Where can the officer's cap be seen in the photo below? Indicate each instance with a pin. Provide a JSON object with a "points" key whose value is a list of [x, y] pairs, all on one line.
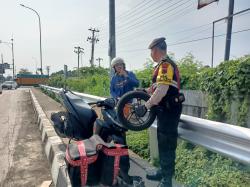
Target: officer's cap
{"points": [[157, 42]]}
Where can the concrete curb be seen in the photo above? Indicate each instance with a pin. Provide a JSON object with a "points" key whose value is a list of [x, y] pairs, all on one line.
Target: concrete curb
{"points": [[53, 146]]}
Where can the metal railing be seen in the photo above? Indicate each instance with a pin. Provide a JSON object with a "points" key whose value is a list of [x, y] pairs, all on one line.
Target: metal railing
{"points": [[228, 140]]}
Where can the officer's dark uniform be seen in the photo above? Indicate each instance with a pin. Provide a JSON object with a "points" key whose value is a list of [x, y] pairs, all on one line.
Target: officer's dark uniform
{"points": [[166, 72]]}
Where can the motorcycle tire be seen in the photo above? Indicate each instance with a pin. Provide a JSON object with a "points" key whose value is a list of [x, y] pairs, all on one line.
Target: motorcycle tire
{"points": [[125, 99]]}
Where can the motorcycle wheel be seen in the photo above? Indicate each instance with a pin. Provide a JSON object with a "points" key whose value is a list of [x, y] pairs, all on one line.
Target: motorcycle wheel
{"points": [[128, 117]]}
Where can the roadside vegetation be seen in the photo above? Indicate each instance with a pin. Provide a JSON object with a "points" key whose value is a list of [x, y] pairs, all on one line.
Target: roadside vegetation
{"points": [[227, 83]]}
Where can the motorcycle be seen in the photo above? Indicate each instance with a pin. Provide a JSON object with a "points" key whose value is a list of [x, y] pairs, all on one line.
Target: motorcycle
{"points": [[79, 122]]}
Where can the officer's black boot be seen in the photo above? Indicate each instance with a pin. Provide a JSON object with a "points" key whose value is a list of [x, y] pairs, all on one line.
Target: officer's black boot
{"points": [[154, 174], [165, 182]]}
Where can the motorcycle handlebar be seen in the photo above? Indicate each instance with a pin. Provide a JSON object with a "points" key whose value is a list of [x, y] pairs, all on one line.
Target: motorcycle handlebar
{"points": [[94, 103], [109, 102]]}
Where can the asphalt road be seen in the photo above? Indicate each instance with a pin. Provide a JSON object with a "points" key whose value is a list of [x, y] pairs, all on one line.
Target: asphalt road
{"points": [[22, 160]]}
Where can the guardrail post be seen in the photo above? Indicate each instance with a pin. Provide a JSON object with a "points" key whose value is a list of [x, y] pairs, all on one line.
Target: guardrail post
{"points": [[153, 143]]}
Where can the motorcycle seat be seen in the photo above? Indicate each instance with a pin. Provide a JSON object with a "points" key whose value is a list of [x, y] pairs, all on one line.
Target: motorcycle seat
{"points": [[85, 113]]}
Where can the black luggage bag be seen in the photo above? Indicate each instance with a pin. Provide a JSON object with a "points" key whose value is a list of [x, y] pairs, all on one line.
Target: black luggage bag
{"points": [[81, 159], [110, 159]]}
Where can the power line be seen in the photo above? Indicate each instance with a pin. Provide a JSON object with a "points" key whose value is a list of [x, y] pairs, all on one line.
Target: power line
{"points": [[134, 18], [129, 15], [154, 16], [126, 14], [190, 29], [187, 11], [208, 28], [189, 41], [181, 31], [137, 7], [205, 38], [149, 18], [170, 18], [196, 33]]}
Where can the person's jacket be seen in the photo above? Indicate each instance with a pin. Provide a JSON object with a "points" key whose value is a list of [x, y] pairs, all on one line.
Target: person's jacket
{"points": [[120, 84]]}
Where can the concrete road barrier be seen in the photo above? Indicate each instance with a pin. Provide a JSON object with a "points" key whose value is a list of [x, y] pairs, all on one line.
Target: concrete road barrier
{"points": [[53, 146]]}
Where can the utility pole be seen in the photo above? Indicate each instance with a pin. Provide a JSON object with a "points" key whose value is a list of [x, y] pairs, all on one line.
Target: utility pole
{"points": [[225, 18], [1, 67], [48, 68], [13, 63], [78, 50], [93, 39], [81, 60], [229, 29], [65, 71], [99, 61], [112, 47], [2, 57]]}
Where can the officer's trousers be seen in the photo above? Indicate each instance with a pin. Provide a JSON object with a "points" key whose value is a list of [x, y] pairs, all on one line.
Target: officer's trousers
{"points": [[167, 133]]}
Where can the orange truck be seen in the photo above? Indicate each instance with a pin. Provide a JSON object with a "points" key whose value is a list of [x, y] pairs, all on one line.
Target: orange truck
{"points": [[31, 80]]}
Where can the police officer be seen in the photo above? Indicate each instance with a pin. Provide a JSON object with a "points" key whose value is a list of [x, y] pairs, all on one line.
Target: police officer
{"points": [[165, 93]]}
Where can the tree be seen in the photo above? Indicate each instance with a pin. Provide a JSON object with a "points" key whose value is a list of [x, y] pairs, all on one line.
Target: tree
{"points": [[145, 75], [25, 71], [190, 69]]}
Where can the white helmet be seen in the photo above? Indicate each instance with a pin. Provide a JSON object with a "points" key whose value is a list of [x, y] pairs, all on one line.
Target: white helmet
{"points": [[117, 60]]}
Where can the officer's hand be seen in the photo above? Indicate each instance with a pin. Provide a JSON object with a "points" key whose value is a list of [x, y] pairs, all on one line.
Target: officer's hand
{"points": [[140, 110]]}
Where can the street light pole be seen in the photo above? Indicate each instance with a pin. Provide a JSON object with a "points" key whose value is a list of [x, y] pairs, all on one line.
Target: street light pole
{"points": [[40, 35], [12, 49]]}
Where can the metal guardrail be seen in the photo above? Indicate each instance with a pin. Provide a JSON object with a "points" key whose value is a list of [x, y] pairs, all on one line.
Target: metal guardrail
{"points": [[228, 140], [87, 97]]}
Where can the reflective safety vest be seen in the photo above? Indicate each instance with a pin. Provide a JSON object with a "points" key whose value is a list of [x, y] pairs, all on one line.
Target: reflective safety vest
{"points": [[166, 72]]}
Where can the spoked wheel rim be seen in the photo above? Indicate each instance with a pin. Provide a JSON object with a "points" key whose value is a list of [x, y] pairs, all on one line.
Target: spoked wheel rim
{"points": [[126, 111]]}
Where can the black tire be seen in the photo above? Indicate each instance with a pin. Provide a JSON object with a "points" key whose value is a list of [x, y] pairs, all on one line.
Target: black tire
{"points": [[126, 98]]}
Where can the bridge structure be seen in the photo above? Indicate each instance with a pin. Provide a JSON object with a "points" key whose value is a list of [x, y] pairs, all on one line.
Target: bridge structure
{"points": [[225, 139], [228, 140]]}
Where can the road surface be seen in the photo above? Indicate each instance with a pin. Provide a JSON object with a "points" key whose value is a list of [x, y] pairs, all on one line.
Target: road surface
{"points": [[23, 162]]}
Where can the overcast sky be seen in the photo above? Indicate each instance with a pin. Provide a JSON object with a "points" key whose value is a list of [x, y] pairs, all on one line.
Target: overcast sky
{"points": [[65, 24]]}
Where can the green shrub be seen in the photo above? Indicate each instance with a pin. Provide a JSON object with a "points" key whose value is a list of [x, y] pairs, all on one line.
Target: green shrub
{"points": [[228, 82], [197, 166], [138, 142], [93, 80]]}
